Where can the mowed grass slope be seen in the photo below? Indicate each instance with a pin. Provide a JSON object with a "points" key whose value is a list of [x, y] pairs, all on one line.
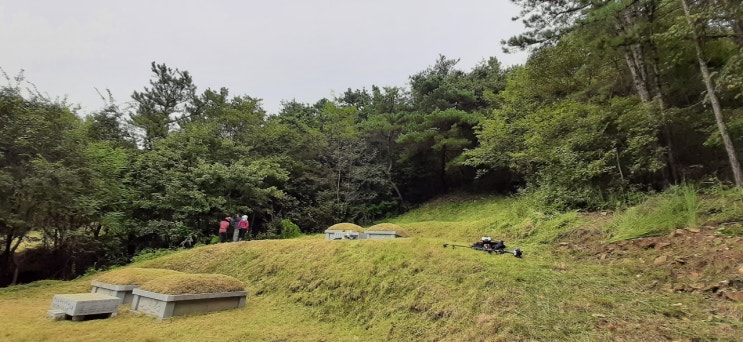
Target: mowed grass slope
{"points": [[412, 289]]}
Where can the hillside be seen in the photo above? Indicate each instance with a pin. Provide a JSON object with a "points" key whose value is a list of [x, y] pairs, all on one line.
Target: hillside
{"points": [[576, 282]]}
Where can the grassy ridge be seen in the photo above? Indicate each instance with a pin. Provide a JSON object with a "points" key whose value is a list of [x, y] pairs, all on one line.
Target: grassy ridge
{"points": [[311, 289]]}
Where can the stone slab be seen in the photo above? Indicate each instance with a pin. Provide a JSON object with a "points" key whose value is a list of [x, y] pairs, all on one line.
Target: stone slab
{"points": [[55, 315], [381, 234], [165, 306], [82, 304], [122, 291], [332, 234]]}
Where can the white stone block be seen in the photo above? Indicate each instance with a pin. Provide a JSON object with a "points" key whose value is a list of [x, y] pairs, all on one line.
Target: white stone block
{"points": [[332, 234], [165, 306], [55, 315], [381, 234], [81, 304], [122, 291]]}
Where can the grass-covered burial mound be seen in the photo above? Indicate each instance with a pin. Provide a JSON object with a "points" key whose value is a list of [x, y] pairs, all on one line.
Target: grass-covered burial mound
{"points": [[133, 275], [346, 226], [184, 283], [387, 227]]}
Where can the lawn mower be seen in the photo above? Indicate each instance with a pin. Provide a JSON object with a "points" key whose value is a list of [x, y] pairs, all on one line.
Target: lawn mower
{"points": [[486, 244]]}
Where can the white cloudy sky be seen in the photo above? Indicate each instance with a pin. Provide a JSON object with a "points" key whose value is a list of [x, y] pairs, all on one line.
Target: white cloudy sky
{"points": [[274, 50]]}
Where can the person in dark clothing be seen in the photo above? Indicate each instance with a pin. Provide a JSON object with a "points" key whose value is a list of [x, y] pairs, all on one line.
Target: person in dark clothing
{"points": [[235, 231]]}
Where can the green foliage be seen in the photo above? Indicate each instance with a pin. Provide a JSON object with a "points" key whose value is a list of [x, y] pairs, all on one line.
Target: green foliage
{"points": [[108, 125], [163, 105], [289, 229], [152, 254], [52, 179], [572, 154]]}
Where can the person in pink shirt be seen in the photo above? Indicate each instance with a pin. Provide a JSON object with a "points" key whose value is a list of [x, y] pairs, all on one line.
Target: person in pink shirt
{"points": [[244, 226], [223, 229]]}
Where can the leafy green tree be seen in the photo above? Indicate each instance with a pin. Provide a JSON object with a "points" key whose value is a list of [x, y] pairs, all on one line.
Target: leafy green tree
{"points": [[163, 106], [383, 126], [205, 171], [441, 86], [294, 137], [353, 173], [108, 125], [556, 129], [711, 92], [44, 176], [440, 126], [628, 27], [546, 22]]}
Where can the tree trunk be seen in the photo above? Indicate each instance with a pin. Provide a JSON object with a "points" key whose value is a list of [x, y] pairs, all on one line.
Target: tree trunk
{"points": [[660, 98], [637, 80], [716, 108], [7, 258], [390, 162], [444, 183], [635, 58], [338, 180], [15, 272]]}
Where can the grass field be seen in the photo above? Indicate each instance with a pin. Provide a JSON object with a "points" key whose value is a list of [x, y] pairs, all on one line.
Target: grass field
{"points": [[581, 279]]}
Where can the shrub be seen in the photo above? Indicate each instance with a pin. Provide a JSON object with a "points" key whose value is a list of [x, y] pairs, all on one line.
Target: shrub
{"points": [[289, 229]]}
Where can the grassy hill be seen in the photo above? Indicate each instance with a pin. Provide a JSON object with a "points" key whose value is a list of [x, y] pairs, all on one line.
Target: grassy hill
{"points": [[584, 277]]}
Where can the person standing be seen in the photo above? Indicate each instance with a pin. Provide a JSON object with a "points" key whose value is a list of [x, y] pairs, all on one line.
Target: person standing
{"points": [[235, 231], [223, 229], [243, 225]]}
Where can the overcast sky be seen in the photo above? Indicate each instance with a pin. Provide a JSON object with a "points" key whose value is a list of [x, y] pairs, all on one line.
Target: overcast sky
{"points": [[273, 50]]}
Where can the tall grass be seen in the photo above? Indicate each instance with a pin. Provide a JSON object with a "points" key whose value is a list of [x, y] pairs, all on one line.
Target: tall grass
{"points": [[691, 204], [658, 215], [719, 204], [683, 206], [517, 219]]}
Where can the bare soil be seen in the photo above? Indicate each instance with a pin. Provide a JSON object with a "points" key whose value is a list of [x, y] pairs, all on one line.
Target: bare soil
{"points": [[699, 261]]}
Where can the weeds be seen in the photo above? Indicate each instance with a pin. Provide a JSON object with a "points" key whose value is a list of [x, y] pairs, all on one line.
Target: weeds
{"points": [[658, 215]]}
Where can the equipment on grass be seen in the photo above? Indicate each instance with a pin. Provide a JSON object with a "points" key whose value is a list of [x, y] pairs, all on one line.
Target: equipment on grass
{"points": [[487, 245]]}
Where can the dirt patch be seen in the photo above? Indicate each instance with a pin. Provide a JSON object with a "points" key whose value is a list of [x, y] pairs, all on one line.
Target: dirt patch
{"points": [[694, 260]]}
